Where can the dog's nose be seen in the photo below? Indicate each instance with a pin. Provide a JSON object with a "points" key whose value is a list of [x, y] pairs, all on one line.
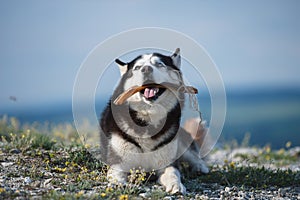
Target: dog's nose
{"points": [[147, 69]]}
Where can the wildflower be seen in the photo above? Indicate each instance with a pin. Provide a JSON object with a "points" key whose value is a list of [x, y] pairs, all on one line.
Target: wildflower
{"points": [[58, 169], [281, 151], [84, 169], [103, 194], [74, 164], [268, 149], [109, 189], [93, 173], [80, 193], [123, 197], [232, 164], [142, 178], [78, 178], [288, 144]]}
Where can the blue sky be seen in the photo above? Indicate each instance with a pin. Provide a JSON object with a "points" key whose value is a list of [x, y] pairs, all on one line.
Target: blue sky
{"points": [[43, 43]]}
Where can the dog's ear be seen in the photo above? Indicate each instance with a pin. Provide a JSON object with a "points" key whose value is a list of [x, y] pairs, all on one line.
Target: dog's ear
{"points": [[176, 58], [122, 66]]}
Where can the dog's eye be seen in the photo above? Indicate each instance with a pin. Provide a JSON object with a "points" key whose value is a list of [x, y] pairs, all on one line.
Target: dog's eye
{"points": [[160, 64], [137, 67]]}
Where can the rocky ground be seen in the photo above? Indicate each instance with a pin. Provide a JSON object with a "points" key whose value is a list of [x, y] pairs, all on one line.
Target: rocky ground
{"points": [[72, 173], [55, 165]]}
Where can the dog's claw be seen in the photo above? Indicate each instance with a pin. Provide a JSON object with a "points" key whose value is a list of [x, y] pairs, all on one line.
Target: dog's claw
{"points": [[176, 188]]}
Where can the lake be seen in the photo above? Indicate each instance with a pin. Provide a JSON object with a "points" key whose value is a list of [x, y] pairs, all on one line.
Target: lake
{"points": [[270, 116]]}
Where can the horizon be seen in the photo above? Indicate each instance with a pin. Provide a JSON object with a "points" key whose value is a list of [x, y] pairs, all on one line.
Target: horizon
{"points": [[266, 115]]}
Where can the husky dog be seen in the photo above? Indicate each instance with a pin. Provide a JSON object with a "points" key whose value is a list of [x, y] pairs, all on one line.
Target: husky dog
{"points": [[145, 130]]}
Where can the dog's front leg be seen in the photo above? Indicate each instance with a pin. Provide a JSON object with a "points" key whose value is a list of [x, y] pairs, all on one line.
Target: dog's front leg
{"points": [[114, 175], [170, 179]]}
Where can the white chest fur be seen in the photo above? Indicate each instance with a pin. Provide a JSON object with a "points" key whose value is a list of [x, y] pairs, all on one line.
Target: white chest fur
{"points": [[134, 157]]}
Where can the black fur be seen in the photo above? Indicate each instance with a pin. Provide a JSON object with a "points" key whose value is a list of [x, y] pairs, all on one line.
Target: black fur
{"points": [[109, 125], [167, 60]]}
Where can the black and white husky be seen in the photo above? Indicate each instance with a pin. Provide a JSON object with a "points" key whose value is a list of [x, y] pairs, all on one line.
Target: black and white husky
{"points": [[145, 130]]}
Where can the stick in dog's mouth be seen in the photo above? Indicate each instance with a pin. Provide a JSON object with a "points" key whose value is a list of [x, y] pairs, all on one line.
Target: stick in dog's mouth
{"points": [[151, 90]]}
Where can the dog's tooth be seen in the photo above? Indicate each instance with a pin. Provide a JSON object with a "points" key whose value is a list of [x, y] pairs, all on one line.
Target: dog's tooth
{"points": [[151, 93], [146, 92]]}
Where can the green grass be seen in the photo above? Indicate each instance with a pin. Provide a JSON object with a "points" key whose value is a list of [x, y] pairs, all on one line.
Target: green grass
{"points": [[61, 167], [256, 177]]}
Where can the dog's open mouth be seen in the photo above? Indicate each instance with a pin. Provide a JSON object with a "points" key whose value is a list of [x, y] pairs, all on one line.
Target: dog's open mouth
{"points": [[152, 93]]}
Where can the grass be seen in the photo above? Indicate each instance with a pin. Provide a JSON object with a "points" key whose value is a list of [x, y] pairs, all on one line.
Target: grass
{"points": [[51, 165], [255, 177]]}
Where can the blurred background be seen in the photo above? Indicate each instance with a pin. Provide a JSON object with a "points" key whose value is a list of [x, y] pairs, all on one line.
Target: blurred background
{"points": [[256, 46]]}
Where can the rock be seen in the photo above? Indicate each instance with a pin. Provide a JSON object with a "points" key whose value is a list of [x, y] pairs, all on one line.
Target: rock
{"points": [[227, 189], [207, 191], [46, 183], [15, 151], [7, 164], [144, 195], [27, 180]]}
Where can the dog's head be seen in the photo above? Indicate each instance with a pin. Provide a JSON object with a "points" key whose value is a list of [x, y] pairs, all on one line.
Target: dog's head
{"points": [[155, 72], [150, 69]]}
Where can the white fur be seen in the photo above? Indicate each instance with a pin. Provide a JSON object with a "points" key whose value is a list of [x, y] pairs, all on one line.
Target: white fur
{"points": [[132, 156], [157, 110], [170, 179], [159, 74], [122, 69]]}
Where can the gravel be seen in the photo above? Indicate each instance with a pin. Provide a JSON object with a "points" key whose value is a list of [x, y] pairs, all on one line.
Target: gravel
{"points": [[15, 180]]}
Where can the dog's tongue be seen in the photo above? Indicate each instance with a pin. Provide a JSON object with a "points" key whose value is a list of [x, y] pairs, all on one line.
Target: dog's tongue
{"points": [[150, 92]]}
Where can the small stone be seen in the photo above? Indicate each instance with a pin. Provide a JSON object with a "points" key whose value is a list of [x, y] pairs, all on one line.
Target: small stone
{"points": [[7, 164], [27, 180], [15, 151], [36, 184], [241, 194], [227, 189], [47, 182], [207, 191], [144, 195]]}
